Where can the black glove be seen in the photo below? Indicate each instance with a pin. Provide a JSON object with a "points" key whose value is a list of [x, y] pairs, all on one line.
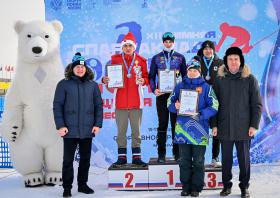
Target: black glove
{"points": [[196, 116]]}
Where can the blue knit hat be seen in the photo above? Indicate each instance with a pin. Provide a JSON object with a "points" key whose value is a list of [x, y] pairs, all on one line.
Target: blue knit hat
{"points": [[78, 59]]}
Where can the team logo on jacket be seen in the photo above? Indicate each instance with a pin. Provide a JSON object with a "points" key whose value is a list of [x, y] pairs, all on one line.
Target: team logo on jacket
{"points": [[215, 68], [175, 57], [199, 89], [162, 58]]}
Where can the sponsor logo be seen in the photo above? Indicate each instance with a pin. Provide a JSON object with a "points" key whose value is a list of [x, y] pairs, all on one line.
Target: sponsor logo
{"points": [[106, 2], [145, 4], [74, 4], [116, 4], [91, 4], [56, 4]]}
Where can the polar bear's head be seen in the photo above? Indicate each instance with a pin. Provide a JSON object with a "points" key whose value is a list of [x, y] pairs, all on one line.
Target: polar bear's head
{"points": [[38, 40]]}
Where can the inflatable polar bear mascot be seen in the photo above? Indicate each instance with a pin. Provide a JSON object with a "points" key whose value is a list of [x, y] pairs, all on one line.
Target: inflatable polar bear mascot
{"points": [[28, 121]]}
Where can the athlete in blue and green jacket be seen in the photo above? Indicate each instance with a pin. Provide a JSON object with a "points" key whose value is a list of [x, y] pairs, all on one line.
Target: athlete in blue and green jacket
{"points": [[192, 132], [187, 129]]}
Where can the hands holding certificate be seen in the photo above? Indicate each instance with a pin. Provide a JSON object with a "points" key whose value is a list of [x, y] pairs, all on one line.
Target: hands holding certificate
{"points": [[177, 104], [158, 92], [106, 80], [140, 81]]}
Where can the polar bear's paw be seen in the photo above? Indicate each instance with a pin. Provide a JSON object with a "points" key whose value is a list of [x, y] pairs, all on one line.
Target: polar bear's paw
{"points": [[53, 178], [33, 180], [14, 134], [11, 125]]}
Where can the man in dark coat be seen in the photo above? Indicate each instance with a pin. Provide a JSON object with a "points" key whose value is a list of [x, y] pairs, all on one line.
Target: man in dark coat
{"points": [[238, 117], [78, 115], [210, 64]]}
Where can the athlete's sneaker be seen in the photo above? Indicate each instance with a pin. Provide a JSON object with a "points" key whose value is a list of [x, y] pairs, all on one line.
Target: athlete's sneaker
{"points": [[216, 163]]}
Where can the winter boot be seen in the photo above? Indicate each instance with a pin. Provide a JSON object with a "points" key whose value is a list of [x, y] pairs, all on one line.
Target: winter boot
{"points": [[177, 158], [225, 192], [245, 193], [194, 193], [85, 189], [185, 193], [122, 161], [67, 192], [136, 155], [161, 158]]}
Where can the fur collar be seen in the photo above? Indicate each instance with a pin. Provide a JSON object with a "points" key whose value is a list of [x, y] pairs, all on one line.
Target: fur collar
{"points": [[68, 72], [245, 72]]}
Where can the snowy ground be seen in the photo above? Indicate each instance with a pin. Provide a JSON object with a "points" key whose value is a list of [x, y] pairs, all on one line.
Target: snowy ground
{"points": [[265, 181]]}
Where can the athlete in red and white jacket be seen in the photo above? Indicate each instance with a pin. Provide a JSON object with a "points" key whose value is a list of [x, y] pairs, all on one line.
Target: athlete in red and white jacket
{"points": [[131, 96], [129, 101]]}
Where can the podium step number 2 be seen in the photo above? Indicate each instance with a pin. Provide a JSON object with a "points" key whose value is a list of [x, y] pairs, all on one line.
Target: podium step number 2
{"points": [[128, 178]]}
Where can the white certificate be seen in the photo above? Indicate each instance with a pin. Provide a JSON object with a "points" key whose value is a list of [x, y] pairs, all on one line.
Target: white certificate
{"points": [[115, 73], [189, 102], [166, 80]]}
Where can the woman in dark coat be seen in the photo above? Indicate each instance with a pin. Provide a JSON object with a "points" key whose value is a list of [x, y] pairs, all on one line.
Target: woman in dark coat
{"points": [[78, 115]]}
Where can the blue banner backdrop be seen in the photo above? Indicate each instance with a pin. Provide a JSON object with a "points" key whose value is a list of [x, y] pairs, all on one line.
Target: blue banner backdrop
{"points": [[96, 27]]}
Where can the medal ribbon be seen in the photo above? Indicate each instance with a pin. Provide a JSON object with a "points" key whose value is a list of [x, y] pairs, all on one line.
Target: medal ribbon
{"points": [[167, 63], [208, 66], [128, 69]]}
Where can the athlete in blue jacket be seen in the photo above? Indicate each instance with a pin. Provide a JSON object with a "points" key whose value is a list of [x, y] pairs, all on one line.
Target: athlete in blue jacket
{"points": [[168, 59], [192, 132]]}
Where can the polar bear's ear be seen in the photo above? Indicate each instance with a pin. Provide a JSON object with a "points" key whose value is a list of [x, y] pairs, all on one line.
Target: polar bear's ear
{"points": [[19, 26], [57, 26]]}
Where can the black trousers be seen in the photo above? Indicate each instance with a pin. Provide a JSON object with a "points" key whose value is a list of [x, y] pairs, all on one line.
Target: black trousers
{"points": [[163, 118], [192, 166], [215, 147], [70, 146], [243, 156]]}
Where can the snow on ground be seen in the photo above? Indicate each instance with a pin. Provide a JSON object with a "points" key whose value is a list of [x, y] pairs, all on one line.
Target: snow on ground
{"points": [[265, 179]]}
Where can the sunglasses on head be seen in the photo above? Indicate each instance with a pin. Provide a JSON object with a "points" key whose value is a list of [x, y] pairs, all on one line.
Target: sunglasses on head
{"points": [[193, 62], [168, 35]]}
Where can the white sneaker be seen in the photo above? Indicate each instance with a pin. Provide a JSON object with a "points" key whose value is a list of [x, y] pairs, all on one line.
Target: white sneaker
{"points": [[216, 163]]}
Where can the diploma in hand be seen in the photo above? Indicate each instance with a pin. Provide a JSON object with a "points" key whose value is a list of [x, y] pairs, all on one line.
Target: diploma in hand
{"points": [[115, 73], [166, 80], [189, 102]]}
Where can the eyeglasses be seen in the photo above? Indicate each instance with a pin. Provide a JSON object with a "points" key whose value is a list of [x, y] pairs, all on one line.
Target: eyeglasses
{"points": [[168, 35]]}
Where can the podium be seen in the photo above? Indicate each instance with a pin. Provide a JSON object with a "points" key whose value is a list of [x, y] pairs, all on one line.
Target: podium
{"points": [[128, 178], [158, 176]]}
